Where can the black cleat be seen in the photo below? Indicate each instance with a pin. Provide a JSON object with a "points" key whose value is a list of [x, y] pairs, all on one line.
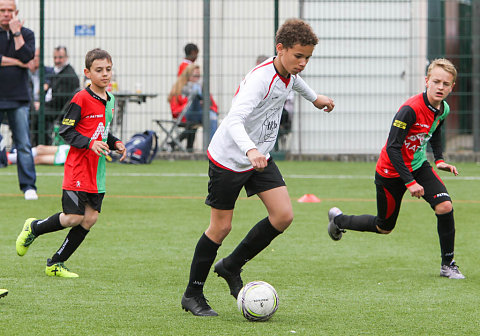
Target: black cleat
{"points": [[198, 306], [234, 280]]}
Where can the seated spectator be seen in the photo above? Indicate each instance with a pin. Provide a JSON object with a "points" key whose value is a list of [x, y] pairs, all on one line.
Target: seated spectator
{"points": [[45, 155], [189, 83], [191, 54], [63, 84]]}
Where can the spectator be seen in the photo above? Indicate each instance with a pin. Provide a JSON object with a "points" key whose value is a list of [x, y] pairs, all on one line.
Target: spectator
{"points": [[17, 45], [186, 85], [191, 54], [63, 84], [45, 155]]}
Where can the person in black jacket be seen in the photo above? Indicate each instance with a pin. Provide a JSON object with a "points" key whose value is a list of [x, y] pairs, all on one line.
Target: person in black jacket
{"points": [[17, 48], [63, 84]]}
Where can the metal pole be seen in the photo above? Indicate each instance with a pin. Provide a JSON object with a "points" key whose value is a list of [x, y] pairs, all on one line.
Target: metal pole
{"points": [[476, 75], [275, 26], [41, 110], [206, 74]]}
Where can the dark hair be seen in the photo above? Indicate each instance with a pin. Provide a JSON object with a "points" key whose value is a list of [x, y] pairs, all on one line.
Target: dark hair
{"points": [[295, 31], [190, 48], [96, 54], [60, 47]]}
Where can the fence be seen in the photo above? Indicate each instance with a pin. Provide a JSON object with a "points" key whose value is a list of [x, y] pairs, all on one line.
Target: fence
{"points": [[371, 57]]}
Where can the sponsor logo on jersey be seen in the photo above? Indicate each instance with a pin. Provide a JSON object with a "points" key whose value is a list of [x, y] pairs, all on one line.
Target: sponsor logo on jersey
{"points": [[95, 116], [400, 124], [101, 131], [68, 122], [422, 125]]}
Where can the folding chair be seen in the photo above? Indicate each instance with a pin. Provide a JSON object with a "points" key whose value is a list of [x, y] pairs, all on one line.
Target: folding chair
{"points": [[171, 128]]}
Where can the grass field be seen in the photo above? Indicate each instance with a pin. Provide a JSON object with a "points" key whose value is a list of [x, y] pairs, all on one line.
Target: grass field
{"points": [[134, 264]]}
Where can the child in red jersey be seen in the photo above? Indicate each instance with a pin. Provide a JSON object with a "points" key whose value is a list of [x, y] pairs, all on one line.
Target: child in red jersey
{"points": [[403, 166], [85, 127]]}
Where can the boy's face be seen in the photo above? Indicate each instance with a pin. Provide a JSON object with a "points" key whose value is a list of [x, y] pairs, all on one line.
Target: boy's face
{"points": [[439, 85], [99, 73], [293, 60]]}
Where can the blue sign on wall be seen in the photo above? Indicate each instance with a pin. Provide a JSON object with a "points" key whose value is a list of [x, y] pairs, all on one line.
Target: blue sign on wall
{"points": [[84, 30]]}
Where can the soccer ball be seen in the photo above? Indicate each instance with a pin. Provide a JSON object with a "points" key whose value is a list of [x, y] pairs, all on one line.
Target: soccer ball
{"points": [[257, 301]]}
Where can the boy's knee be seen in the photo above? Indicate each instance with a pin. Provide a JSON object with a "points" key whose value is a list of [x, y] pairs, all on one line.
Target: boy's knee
{"points": [[443, 208], [384, 226], [70, 220]]}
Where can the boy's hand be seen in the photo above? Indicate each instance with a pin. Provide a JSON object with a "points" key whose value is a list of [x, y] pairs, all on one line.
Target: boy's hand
{"points": [[100, 148], [257, 159], [324, 103], [121, 150], [446, 167], [416, 190]]}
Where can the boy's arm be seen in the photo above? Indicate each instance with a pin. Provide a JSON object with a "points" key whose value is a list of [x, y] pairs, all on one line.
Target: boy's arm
{"points": [[111, 141], [67, 128], [403, 120], [436, 143], [251, 92], [319, 101], [437, 148]]}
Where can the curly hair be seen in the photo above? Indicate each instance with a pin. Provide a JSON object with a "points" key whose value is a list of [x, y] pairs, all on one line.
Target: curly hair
{"points": [[295, 31]]}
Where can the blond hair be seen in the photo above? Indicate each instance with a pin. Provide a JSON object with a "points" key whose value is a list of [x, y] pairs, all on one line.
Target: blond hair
{"points": [[445, 64], [182, 80]]}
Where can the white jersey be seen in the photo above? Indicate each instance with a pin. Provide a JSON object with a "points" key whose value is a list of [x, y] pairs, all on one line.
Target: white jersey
{"points": [[254, 118]]}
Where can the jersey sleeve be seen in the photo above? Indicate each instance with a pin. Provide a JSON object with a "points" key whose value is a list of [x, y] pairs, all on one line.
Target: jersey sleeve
{"points": [[436, 143], [111, 141], [250, 94], [402, 122], [301, 87], [67, 128]]}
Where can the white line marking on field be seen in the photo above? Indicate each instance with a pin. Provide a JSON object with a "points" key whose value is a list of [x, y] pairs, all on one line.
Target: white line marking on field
{"points": [[293, 176]]}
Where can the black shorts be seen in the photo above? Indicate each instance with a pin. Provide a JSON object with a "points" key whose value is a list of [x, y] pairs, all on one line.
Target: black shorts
{"points": [[73, 202], [224, 185], [390, 192]]}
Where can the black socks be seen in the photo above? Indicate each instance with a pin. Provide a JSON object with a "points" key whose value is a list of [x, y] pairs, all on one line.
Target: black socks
{"points": [[202, 261], [75, 237], [50, 224], [357, 223], [259, 237], [446, 235]]}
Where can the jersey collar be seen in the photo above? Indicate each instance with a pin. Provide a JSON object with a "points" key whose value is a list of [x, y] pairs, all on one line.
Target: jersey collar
{"points": [[430, 106], [97, 97]]}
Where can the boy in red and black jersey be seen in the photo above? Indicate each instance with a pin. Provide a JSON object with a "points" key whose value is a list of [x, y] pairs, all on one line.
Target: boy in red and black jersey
{"points": [[403, 165], [85, 128]]}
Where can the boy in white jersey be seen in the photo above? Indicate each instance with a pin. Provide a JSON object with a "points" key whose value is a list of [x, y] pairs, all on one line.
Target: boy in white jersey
{"points": [[239, 157]]}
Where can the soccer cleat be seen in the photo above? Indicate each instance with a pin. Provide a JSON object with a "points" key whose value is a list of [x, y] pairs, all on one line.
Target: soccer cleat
{"points": [[25, 238], [59, 270], [197, 305], [333, 230], [451, 271], [3, 292], [233, 279]]}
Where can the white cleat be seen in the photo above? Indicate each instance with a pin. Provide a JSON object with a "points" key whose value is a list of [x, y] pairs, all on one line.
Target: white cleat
{"points": [[333, 230], [31, 195], [451, 271]]}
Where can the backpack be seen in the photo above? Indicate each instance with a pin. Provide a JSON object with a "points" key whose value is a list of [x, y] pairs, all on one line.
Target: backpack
{"points": [[3, 153], [141, 148]]}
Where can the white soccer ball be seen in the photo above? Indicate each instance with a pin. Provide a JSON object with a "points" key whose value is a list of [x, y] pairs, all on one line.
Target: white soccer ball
{"points": [[257, 301]]}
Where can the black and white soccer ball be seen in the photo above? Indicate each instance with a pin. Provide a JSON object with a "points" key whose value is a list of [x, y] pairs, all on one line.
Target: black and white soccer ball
{"points": [[257, 301]]}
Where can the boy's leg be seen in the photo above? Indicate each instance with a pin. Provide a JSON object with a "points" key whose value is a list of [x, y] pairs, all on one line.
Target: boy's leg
{"points": [[437, 196], [205, 253], [389, 198], [280, 216], [33, 228]]}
